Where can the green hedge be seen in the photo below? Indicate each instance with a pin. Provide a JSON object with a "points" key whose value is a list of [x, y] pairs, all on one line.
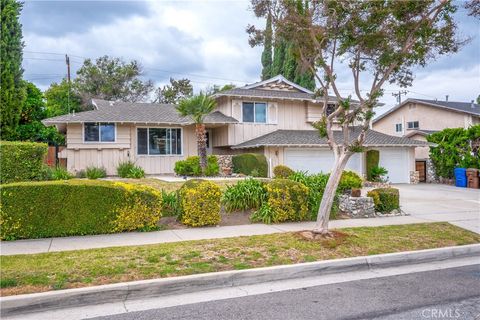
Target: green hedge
{"points": [[282, 172], [373, 159], [22, 161], [385, 199], [250, 164], [191, 166], [76, 207]]}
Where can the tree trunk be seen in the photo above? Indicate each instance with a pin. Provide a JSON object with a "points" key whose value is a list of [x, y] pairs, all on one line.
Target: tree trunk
{"points": [[201, 145], [321, 226]]}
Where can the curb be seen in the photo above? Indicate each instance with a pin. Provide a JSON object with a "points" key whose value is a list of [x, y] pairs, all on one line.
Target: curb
{"points": [[37, 302]]}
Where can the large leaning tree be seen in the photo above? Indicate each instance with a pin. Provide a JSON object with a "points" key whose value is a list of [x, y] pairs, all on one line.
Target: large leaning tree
{"points": [[198, 107], [379, 41]]}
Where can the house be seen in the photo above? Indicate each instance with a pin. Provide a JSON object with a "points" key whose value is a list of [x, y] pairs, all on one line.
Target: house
{"points": [[417, 118], [272, 117]]}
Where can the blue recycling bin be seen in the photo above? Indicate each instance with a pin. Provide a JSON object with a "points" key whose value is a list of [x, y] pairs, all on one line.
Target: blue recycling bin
{"points": [[460, 177]]}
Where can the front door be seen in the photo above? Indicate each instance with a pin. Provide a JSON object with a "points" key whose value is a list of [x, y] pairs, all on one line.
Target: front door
{"points": [[208, 135], [421, 167]]}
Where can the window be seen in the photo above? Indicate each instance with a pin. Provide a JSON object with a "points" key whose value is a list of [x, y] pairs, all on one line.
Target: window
{"points": [[254, 112], [412, 125], [159, 141], [398, 127], [99, 132], [330, 109]]}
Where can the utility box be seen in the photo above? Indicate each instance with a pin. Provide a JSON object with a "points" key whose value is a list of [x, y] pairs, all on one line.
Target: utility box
{"points": [[472, 178]]}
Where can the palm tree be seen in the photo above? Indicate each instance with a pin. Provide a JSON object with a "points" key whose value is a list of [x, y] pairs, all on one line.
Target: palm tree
{"points": [[198, 106]]}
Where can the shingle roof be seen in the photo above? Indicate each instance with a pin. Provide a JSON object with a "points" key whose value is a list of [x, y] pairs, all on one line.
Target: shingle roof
{"points": [[271, 94], [464, 107], [107, 111], [311, 138], [422, 132]]}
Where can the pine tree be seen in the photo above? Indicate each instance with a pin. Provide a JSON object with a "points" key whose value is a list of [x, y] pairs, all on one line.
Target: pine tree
{"points": [[12, 89], [267, 51]]}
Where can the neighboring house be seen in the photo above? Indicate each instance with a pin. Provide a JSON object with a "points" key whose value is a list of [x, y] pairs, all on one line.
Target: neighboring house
{"points": [[272, 117], [417, 118]]}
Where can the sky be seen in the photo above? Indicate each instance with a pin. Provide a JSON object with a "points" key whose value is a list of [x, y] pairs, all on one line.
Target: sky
{"points": [[203, 40]]}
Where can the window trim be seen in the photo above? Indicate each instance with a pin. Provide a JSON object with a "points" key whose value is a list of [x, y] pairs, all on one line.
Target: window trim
{"points": [[148, 142], [254, 114], [413, 125], [99, 133], [398, 125]]}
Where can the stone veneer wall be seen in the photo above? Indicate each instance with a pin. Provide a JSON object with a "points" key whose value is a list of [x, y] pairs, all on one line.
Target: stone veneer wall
{"points": [[357, 207], [414, 177], [431, 176], [225, 163]]}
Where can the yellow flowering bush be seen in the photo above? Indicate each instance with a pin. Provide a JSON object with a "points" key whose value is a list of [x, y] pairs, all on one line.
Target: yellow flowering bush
{"points": [[200, 202], [287, 200]]}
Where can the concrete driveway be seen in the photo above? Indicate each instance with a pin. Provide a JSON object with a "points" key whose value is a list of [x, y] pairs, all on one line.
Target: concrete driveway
{"points": [[438, 202]]}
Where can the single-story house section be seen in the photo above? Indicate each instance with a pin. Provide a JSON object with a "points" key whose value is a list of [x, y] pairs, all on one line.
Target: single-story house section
{"points": [[273, 117]]}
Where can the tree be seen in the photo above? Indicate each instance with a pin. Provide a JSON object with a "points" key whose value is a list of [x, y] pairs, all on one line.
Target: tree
{"points": [[382, 41], [12, 90], [61, 99], [34, 110], [111, 79], [279, 57], [219, 88], [267, 51], [198, 107], [175, 91]]}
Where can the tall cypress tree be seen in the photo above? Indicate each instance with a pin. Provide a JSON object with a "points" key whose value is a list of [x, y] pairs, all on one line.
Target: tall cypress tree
{"points": [[12, 89], [267, 51], [278, 57]]}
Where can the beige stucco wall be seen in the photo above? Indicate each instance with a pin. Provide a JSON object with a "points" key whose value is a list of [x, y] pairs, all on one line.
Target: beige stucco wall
{"points": [[421, 153], [81, 155], [429, 118]]}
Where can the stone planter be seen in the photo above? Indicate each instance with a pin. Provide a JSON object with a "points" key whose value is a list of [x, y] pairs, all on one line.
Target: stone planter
{"points": [[357, 207]]}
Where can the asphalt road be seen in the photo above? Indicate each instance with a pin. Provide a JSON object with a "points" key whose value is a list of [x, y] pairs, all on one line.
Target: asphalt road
{"points": [[441, 294]]}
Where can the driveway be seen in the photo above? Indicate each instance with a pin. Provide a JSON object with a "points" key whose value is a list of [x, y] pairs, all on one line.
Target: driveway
{"points": [[438, 202]]}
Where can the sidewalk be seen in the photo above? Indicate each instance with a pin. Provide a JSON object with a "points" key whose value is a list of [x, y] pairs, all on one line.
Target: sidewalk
{"points": [[142, 238]]}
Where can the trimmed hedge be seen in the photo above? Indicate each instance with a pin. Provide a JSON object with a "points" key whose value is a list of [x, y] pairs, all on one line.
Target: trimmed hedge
{"points": [[373, 159], [191, 166], [287, 200], [22, 161], [385, 199], [200, 201], [282, 172], [76, 207], [250, 164], [348, 181]]}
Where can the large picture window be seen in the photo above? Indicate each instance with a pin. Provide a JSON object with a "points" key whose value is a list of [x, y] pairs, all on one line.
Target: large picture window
{"points": [[99, 132], [159, 141], [254, 112]]}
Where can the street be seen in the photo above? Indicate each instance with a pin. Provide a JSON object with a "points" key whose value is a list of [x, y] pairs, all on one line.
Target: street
{"points": [[441, 294]]}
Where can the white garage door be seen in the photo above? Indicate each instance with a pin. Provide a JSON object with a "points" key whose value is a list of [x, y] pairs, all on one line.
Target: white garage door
{"points": [[317, 160], [395, 160]]}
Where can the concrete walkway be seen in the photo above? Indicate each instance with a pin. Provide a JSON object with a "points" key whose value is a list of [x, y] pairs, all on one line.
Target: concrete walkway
{"points": [[141, 238], [424, 203]]}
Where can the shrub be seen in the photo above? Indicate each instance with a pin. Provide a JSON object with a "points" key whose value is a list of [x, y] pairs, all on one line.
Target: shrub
{"points": [[282, 172], [22, 161], [95, 173], [372, 159], [200, 202], [286, 201], [246, 163], [81, 174], [378, 174], [349, 180], [60, 173], [191, 166], [246, 194], [171, 204], [128, 169], [385, 199], [76, 207]]}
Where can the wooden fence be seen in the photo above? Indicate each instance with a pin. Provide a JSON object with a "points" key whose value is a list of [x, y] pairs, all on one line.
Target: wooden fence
{"points": [[52, 158]]}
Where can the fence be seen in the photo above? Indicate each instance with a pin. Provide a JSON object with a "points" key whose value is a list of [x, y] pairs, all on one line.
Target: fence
{"points": [[52, 158]]}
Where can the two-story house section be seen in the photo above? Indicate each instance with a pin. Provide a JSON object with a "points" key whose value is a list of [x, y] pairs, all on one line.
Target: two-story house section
{"points": [[417, 118], [273, 117]]}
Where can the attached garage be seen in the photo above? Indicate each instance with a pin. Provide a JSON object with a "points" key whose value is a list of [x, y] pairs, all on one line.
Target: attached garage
{"points": [[315, 160], [397, 161]]}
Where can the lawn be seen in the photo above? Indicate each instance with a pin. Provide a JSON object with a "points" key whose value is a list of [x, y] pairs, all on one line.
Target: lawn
{"points": [[72, 269]]}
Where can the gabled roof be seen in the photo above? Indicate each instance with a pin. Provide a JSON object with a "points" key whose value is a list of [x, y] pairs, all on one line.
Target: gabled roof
{"points": [[421, 132], [278, 79], [463, 107], [311, 138], [127, 112]]}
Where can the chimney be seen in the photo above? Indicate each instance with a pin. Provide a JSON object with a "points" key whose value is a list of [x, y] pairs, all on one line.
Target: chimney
{"points": [[446, 98]]}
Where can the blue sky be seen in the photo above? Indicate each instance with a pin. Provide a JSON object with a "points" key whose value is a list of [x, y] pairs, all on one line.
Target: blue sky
{"points": [[204, 41]]}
